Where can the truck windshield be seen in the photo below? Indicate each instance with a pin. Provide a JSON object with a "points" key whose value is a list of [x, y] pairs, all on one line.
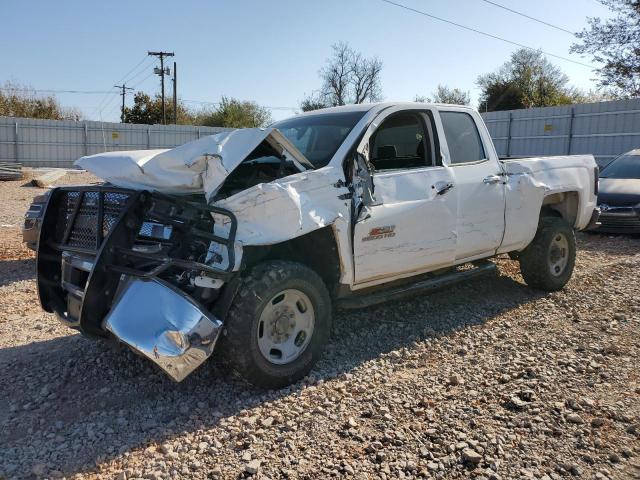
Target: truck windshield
{"points": [[319, 136], [626, 166]]}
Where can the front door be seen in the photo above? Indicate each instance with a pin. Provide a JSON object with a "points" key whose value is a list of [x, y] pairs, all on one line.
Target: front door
{"points": [[479, 187], [410, 225]]}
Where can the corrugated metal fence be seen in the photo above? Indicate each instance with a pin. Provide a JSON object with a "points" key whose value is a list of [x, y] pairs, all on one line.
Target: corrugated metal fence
{"points": [[604, 129], [55, 143]]}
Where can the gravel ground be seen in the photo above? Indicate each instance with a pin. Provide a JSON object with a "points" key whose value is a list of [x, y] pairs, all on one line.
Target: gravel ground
{"points": [[488, 379], [15, 198]]}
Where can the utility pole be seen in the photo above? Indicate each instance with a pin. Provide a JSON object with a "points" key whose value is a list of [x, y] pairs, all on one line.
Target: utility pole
{"points": [[175, 93], [162, 72], [124, 89]]}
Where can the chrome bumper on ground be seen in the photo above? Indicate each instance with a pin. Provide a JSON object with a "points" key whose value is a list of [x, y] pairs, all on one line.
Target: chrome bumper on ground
{"points": [[163, 324]]}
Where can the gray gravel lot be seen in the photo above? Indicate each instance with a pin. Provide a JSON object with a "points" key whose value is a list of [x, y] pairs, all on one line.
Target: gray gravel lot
{"points": [[487, 379]]}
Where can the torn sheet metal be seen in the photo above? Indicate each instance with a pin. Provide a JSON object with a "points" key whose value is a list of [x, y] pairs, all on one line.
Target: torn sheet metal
{"points": [[161, 323], [287, 208], [195, 167], [274, 212]]}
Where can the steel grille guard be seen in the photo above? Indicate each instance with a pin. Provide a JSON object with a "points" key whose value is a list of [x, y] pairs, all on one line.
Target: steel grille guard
{"points": [[114, 255]]}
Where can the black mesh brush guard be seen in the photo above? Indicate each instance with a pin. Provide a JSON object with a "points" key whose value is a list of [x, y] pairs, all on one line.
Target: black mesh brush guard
{"points": [[87, 243]]}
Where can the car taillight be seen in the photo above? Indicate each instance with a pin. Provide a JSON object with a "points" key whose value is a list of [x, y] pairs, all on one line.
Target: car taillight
{"points": [[596, 179]]}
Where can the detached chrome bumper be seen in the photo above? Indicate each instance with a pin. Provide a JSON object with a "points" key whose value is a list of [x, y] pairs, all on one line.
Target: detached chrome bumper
{"points": [[97, 274], [160, 322]]}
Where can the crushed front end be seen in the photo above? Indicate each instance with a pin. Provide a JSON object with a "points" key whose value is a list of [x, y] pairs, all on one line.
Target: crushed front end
{"points": [[141, 266]]}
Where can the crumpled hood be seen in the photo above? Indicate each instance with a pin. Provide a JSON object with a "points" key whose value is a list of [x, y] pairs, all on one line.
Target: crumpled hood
{"points": [[200, 166]]}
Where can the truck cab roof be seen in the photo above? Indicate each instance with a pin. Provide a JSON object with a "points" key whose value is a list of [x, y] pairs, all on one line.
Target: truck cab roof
{"points": [[378, 106]]}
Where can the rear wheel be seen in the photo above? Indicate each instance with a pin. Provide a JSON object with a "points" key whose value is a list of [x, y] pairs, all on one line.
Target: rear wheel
{"points": [[547, 263], [278, 324]]}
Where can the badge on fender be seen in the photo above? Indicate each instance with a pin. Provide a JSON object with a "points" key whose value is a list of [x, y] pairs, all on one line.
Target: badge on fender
{"points": [[378, 233]]}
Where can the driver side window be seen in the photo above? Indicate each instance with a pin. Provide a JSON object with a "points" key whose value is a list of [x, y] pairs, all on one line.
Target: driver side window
{"points": [[401, 142]]}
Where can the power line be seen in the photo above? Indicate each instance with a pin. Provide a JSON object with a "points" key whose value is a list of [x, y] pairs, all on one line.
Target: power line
{"points": [[88, 92], [133, 78], [495, 37], [529, 17], [106, 100], [113, 108], [144, 79], [124, 78], [108, 113]]}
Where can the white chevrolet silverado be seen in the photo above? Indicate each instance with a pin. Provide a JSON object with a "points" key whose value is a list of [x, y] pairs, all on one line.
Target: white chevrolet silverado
{"points": [[244, 241]]}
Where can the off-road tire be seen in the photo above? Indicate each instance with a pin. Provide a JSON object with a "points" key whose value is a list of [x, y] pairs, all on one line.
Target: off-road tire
{"points": [[534, 260], [239, 342]]}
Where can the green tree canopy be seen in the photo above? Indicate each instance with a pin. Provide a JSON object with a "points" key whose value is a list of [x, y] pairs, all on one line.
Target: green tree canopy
{"points": [[148, 110], [233, 113], [444, 94], [615, 43], [230, 113], [22, 101], [312, 102], [527, 80]]}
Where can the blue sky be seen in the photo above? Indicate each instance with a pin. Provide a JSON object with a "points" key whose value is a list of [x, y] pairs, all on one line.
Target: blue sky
{"points": [[270, 51]]}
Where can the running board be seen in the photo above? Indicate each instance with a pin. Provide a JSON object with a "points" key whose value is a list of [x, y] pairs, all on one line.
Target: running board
{"points": [[430, 284]]}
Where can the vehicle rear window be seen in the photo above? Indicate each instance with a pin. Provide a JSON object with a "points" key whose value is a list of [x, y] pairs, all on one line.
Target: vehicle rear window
{"points": [[626, 166], [319, 136], [463, 138]]}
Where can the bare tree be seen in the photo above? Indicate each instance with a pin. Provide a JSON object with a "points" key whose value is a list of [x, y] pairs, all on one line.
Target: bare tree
{"points": [[336, 75], [347, 77], [365, 78]]}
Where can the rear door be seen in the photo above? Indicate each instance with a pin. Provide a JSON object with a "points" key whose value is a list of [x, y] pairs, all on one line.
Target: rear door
{"points": [[479, 183], [408, 226]]}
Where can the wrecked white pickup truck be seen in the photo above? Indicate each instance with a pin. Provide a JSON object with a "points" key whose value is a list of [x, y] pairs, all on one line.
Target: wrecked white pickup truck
{"points": [[247, 239]]}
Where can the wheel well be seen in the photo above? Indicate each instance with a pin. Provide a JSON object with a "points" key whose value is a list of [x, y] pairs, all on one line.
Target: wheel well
{"points": [[563, 204], [317, 250]]}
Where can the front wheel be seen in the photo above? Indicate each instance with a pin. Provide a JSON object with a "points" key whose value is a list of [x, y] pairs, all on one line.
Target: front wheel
{"points": [[278, 324], [547, 263]]}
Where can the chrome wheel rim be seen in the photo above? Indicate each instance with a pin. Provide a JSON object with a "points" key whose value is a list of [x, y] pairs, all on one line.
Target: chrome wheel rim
{"points": [[558, 254], [285, 327]]}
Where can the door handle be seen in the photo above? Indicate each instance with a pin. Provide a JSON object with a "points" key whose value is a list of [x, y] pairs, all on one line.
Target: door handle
{"points": [[491, 179], [442, 187]]}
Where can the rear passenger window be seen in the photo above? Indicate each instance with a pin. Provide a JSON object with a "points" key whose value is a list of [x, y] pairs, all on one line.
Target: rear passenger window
{"points": [[400, 142], [462, 137]]}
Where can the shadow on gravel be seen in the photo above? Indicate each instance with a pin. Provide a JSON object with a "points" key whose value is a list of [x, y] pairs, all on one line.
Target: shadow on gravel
{"points": [[69, 403], [16, 270]]}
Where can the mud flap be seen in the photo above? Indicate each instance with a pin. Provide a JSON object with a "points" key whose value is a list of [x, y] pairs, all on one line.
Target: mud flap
{"points": [[163, 324]]}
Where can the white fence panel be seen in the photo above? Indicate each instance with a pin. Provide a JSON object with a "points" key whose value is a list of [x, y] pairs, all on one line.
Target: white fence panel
{"points": [[604, 129], [56, 143]]}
